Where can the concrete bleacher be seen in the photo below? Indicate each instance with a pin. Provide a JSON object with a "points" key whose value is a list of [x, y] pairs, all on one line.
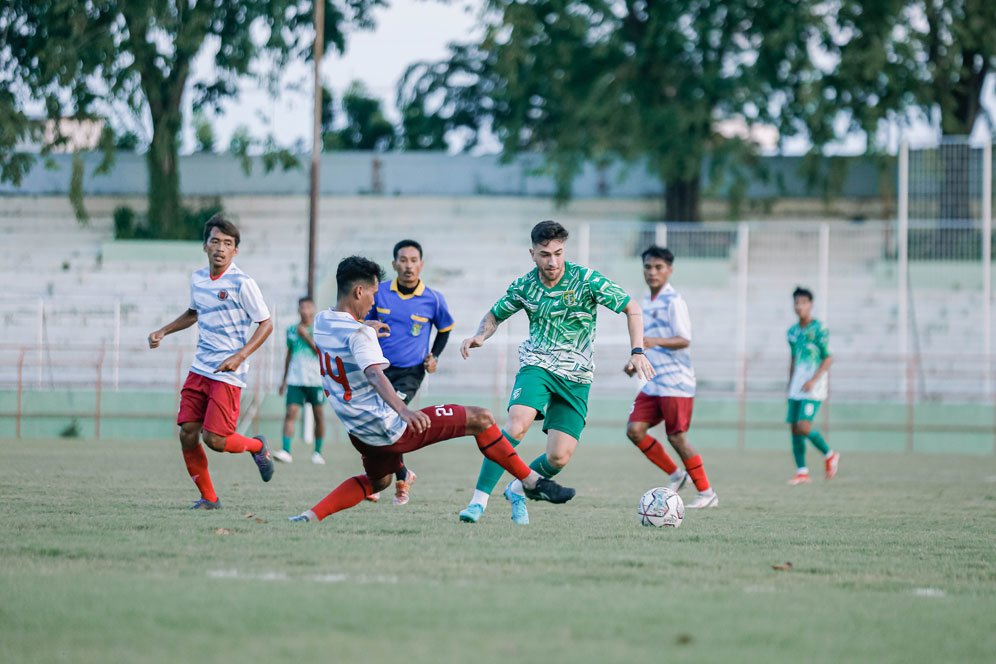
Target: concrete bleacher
{"points": [[95, 292]]}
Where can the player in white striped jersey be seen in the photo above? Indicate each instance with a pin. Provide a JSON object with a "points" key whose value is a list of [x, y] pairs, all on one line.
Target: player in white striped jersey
{"points": [[224, 303], [668, 397], [381, 427]]}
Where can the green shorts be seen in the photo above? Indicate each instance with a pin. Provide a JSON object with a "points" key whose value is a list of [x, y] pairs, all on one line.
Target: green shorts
{"points": [[561, 404], [297, 395], [802, 410]]}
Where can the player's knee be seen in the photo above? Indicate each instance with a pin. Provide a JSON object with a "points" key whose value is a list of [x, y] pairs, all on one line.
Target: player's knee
{"points": [[636, 433], [479, 420], [214, 441], [381, 483], [558, 458]]}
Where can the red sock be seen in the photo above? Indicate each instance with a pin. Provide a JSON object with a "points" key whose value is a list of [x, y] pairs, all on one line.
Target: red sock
{"points": [[197, 466], [344, 496], [655, 452], [236, 443], [697, 472], [496, 447]]}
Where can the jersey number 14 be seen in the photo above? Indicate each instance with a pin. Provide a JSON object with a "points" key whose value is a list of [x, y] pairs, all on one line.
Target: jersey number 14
{"points": [[339, 377]]}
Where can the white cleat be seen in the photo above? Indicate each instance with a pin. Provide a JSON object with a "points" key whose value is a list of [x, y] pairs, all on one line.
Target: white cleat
{"points": [[676, 484], [701, 502], [282, 456], [317, 459]]}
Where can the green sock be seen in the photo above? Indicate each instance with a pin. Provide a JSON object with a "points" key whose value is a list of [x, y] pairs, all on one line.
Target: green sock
{"points": [[543, 466], [818, 442], [491, 472], [318, 445], [287, 444], [799, 451]]}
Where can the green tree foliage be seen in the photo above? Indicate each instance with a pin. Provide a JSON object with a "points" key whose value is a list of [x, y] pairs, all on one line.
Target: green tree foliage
{"points": [[641, 80], [203, 133], [365, 128], [138, 53]]}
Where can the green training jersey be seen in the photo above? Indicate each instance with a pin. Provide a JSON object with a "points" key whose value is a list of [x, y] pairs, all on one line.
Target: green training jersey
{"points": [[561, 319], [304, 370], [810, 345]]}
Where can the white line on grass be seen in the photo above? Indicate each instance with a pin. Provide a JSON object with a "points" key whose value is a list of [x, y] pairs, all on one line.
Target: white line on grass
{"points": [[283, 576]]}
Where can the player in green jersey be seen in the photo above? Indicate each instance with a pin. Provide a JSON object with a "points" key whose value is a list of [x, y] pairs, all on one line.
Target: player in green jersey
{"points": [[302, 381], [809, 342], [560, 300]]}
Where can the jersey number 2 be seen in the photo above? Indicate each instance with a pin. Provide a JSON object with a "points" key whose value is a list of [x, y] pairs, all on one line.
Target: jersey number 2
{"points": [[339, 377]]}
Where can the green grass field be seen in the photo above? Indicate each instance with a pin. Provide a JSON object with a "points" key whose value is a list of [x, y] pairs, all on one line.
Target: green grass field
{"points": [[894, 561]]}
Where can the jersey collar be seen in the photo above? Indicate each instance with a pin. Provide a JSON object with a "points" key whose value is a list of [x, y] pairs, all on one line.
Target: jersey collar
{"points": [[418, 290]]}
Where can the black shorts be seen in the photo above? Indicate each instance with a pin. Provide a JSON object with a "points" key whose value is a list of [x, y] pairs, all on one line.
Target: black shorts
{"points": [[406, 380]]}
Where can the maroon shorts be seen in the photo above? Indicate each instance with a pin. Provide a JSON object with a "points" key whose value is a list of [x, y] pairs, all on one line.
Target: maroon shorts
{"points": [[449, 421], [213, 402], [675, 412]]}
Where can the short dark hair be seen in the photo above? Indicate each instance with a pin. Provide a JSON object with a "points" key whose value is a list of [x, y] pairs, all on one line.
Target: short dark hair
{"points": [[306, 298], [223, 225], [407, 243], [653, 251], [355, 269], [802, 292], [548, 230]]}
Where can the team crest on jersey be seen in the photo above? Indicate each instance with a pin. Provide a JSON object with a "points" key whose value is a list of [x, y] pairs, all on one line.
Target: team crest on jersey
{"points": [[223, 295], [570, 298], [416, 328]]}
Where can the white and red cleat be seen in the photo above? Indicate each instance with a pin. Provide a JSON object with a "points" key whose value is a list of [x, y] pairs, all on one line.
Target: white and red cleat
{"points": [[373, 497], [402, 488], [831, 464]]}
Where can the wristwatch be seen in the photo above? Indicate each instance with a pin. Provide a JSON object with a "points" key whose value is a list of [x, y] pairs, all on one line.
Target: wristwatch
{"points": [[636, 351]]}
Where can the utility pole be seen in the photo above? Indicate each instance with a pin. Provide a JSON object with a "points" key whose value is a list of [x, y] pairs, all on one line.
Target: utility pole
{"points": [[316, 144]]}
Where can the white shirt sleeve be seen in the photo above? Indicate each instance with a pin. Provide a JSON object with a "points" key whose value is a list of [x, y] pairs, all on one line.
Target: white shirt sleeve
{"points": [[680, 321], [365, 348], [193, 305], [252, 301]]}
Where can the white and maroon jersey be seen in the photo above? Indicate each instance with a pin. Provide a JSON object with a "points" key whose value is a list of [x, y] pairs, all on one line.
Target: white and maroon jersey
{"points": [[226, 307], [347, 347], [667, 316]]}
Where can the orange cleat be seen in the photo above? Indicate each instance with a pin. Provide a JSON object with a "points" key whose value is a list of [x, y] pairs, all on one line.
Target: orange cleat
{"points": [[373, 497], [402, 488]]}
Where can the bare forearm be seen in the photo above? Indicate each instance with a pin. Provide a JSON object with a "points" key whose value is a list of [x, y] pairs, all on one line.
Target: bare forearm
{"points": [[286, 366], [257, 338], [823, 368], [182, 322], [634, 322], [488, 326], [303, 332], [383, 387], [671, 343]]}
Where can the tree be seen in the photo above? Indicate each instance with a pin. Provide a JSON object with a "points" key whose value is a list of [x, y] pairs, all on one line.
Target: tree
{"points": [[932, 55], [139, 53], [641, 80], [365, 128]]}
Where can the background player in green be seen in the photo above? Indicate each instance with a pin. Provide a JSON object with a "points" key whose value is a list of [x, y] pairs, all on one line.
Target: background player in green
{"points": [[302, 381], [556, 367], [809, 342]]}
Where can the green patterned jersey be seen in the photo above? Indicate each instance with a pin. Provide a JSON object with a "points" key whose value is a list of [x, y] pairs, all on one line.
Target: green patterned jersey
{"points": [[810, 345], [561, 319], [304, 370]]}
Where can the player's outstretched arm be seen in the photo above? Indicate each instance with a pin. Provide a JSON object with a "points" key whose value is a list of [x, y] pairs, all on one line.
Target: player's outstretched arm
{"points": [[183, 321], [255, 341], [634, 322], [488, 326], [382, 386]]}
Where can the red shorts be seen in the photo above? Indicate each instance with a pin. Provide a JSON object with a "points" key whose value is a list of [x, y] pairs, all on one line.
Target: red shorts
{"points": [[449, 421], [213, 402], [675, 412]]}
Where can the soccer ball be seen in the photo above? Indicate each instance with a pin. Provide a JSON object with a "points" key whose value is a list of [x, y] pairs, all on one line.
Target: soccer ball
{"points": [[661, 507]]}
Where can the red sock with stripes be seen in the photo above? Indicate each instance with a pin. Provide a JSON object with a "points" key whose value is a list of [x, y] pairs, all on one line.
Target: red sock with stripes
{"points": [[236, 443], [197, 467], [344, 496], [496, 447], [654, 451], [697, 472]]}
